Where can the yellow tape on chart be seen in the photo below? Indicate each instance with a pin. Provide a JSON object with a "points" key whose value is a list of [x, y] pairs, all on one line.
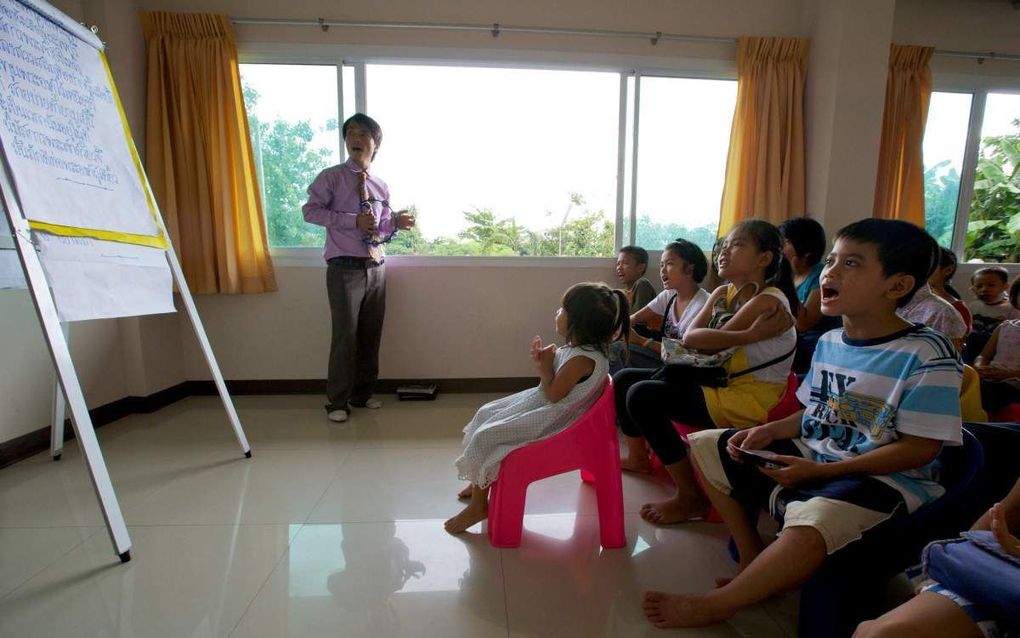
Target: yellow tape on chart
{"points": [[154, 241]]}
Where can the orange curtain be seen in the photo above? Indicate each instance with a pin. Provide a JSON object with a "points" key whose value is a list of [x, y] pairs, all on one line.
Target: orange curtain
{"points": [[199, 155], [899, 190], [765, 165]]}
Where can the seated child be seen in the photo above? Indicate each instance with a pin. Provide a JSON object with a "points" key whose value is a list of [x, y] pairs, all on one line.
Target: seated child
{"points": [[989, 285], [929, 309], [760, 333], [999, 367], [682, 268], [881, 398], [941, 283], [571, 378], [939, 611], [631, 267], [804, 246]]}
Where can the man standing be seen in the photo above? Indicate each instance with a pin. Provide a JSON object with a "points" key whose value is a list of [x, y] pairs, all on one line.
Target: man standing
{"points": [[353, 206]]}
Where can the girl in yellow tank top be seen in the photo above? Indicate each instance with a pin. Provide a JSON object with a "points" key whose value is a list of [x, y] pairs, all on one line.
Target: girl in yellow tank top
{"points": [[761, 303]]}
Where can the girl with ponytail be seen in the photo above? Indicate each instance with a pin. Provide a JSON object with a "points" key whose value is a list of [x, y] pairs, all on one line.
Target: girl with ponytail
{"points": [[571, 378], [753, 316]]}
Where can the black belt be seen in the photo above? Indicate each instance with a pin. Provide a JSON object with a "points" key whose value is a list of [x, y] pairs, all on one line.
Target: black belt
{"points": [[354, 262]]}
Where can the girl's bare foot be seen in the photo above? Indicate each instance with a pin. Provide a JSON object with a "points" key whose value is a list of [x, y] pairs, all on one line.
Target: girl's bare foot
{"points": [[675, 510], [464, 494], [470, 515], [679, 610]]}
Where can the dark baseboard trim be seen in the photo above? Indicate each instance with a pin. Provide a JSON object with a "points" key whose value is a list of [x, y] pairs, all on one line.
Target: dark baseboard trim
{"points": [[385, 386], [26, 445], [36, 441]]}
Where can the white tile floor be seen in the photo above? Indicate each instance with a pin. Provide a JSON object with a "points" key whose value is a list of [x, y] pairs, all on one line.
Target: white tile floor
{"points": [[329, 530]]}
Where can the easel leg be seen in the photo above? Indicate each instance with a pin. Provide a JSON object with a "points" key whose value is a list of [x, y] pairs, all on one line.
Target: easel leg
{"points": [[59, 408], [81, 421], [203, 341]]}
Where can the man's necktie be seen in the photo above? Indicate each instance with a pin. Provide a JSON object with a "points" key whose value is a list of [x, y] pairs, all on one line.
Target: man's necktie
{"points": [[375, 251]]}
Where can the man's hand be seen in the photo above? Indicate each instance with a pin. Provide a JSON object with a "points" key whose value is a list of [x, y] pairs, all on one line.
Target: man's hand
{"points": [[366, 222], [405, 220], [797, 470]]}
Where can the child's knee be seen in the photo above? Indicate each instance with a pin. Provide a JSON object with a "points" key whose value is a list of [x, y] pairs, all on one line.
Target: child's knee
{"points": [[880, 628], [808, 539]]}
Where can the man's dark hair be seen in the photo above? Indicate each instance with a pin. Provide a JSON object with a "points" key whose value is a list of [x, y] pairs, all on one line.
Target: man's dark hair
{"points": [[903, 248], [638, 253], [692, 254], [373, 127], [806, 236]]}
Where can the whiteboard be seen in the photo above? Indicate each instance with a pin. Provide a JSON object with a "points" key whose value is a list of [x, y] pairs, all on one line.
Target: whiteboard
{"points": [[78, 179], [62, 128]]}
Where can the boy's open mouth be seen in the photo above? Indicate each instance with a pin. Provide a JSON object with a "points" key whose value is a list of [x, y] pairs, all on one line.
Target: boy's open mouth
{"points": [[829, 293]]}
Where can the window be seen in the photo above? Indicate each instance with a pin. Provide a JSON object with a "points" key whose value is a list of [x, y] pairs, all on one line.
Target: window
{"points": [[993, 228], [501, 161], [292, 117], [972, 185], [945, 139], [684, 136]]}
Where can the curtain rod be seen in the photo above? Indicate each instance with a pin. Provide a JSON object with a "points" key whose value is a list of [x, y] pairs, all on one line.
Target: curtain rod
{"points": [[496, 29]]}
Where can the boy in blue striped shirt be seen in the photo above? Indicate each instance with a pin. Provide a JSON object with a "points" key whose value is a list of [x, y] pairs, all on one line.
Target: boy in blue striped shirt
{"points": [[881, 398]]}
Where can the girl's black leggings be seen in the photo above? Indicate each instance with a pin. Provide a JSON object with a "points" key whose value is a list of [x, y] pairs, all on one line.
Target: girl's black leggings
{"points": [[647, 406]]}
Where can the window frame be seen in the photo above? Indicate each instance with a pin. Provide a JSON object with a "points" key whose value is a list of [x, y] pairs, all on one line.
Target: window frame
{"points": [[978, 86], [630, 69]]}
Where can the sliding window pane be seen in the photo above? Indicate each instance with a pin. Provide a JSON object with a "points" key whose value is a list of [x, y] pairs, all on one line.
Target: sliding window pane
{"points": [[993, 229], [684, 133], [945, 138], [292, 115], [499, 161]]}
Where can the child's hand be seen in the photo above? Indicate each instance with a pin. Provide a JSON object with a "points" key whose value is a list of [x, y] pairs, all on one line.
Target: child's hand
{"points": [[536, 348], [1009, 543], [542, 356], [771, 324], [992, 373], [797, 470], [635, 338], [756, 438]]}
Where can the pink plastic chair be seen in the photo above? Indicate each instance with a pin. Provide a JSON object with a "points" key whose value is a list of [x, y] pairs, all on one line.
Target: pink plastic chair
{"points": [[788, 404], [590, 444]]}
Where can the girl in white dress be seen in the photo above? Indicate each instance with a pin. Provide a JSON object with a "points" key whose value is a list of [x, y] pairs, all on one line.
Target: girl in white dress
{"points": [[572, 378]]}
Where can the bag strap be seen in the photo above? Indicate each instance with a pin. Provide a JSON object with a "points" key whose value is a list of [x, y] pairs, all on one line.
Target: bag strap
{"points": [[666, 316], [768, 363]]}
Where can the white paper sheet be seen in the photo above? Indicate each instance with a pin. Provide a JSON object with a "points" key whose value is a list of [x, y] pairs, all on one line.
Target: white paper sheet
{"points": [[94, 279], [61, 129]]}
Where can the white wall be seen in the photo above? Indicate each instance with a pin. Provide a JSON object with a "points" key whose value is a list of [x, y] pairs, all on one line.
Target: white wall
{"points": [[475, 320]]}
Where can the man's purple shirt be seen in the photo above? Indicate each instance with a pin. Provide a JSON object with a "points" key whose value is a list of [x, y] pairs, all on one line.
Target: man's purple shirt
{"points": [[334, 201]]}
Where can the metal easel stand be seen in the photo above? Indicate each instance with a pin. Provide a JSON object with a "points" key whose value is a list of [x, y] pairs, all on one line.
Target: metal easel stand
{"points": [[50, 323]]}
